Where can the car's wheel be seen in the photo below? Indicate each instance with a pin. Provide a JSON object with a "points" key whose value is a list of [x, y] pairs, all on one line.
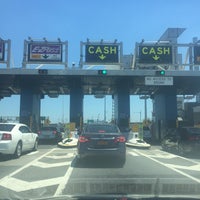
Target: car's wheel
{"points": [[122, 160], [18, 150], [80, 160], [35, 146]]}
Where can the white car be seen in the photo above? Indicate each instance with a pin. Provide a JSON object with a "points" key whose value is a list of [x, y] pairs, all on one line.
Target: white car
{"points": [[16, 138]]}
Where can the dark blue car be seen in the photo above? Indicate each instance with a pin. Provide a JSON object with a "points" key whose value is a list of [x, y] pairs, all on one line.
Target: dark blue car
{"points": [[102, 140]]}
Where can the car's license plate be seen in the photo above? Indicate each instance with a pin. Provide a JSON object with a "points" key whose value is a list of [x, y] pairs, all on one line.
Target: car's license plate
{"points": [[102, 142]]}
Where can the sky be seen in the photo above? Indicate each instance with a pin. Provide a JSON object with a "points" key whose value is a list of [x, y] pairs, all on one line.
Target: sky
{"points": [[128, 21]]}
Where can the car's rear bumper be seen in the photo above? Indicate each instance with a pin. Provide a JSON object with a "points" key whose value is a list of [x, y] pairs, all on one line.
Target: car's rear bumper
{"points": [[109, 152], [7, 147]]}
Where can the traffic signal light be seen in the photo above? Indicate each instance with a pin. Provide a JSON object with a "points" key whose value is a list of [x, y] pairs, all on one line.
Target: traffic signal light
{"points": [[42, 71], [102, 72], [160, 73]]}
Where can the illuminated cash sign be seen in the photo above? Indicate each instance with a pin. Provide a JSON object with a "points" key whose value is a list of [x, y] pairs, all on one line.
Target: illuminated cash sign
{"points": [[101, 53], [155, 54]]}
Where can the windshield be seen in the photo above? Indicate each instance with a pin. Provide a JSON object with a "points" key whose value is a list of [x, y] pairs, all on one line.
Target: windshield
{"points": [[48, 128], [6, 127], [101, 129], [110, 90]]}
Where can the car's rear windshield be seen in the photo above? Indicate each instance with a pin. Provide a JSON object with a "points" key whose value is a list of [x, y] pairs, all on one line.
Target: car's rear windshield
{"points": [[48, 128], [6, 127], [101, 129]]}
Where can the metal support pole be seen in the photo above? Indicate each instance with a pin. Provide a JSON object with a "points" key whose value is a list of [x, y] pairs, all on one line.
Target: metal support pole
{"points": [[81, 55], [9, 53], [121, 54], [66, 54], [25, 54], [190, 59], [105, 109], [145, 109]]}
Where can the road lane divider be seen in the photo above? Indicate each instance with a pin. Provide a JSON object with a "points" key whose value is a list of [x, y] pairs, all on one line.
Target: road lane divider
{"points": [[18, 185], [169, 167], [26, 166], [133, 153], [64, 182]]}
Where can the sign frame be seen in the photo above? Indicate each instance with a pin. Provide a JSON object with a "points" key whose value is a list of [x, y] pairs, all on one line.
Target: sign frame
{"points": [[154, 54], [196, 50], [2, 51], [101, 53], [101, 49]]}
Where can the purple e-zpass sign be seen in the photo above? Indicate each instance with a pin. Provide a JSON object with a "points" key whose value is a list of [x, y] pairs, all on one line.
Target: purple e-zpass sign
{"points": [[45, 52], [1, 50]]}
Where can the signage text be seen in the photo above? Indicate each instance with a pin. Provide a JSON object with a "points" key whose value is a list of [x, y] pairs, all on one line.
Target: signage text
{"points": [[45, 52], [101, 53], [155, 54]]}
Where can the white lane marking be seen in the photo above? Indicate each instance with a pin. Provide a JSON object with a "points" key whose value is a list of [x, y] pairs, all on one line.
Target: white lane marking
{"points": [[133, 153], [177, 156], [25, 166], [49, 165], [170, 167], [69, 155], [193, 167], [32, 153], [63, 182], [20, 185], [161, 155]]}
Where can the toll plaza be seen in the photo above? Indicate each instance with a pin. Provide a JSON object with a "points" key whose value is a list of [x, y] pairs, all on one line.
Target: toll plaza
{"points": [[156, 69]]}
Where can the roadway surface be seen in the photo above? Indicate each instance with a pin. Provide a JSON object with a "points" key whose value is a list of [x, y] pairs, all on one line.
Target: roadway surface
{"points": [[54, 171]]}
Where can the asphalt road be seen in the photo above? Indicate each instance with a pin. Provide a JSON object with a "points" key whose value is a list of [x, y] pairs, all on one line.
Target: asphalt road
{"points": [[54, 171]]}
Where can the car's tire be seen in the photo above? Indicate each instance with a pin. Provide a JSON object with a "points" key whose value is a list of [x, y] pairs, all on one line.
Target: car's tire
{"points": [[35, 148], [18, 150], [122, 160], [80, 161]]}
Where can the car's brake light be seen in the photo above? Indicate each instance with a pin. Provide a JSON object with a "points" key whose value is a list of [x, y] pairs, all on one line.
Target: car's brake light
{"points": [[54, 132], [192, 138], [6, 136], [83, 139], [120, 139]]}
